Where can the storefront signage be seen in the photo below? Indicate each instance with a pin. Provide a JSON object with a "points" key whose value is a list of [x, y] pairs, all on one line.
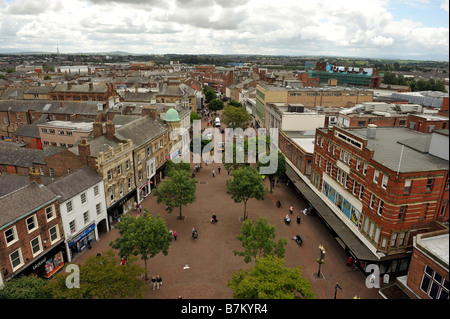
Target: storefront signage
{"points": [[83, 234]]}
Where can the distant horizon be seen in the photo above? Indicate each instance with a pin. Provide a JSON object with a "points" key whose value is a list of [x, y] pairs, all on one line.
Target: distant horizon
{"points": [[375, 29], [417, 58]]}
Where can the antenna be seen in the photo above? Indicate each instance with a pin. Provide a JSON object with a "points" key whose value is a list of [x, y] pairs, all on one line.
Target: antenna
{"points": [[57, 50]]}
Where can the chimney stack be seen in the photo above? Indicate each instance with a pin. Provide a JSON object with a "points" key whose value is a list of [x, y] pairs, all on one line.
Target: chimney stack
{"points": [[149, 110], [97, 128], [34, 176], [110, 130], [84, 150]]}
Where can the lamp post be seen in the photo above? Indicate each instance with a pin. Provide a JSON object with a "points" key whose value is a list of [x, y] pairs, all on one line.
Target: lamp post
{"points": [[336, 288], [321, 259]]}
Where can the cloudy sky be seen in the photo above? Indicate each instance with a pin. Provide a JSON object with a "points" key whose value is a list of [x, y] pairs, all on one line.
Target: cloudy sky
{"points": [[358, 28]]}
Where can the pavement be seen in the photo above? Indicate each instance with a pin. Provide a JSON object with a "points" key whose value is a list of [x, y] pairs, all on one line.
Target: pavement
{"points": [[210, 258]]}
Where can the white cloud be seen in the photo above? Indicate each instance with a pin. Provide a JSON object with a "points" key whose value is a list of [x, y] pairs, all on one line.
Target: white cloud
{"points": [[344, 27]]}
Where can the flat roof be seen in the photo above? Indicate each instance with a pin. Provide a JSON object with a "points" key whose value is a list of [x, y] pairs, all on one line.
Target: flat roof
{"points": [[78, 126], [387, 147], [437, 245]]}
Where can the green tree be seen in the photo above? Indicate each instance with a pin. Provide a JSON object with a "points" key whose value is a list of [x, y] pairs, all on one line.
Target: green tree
{"points": [[47, 77], [235, 103], [258, 240], [234, 117], [177, 190], [209, 92], [194, 116], [25, 287], [101, 277], [215, 105], [144, 236], [270, 279], [171, 166], [246, 183]]}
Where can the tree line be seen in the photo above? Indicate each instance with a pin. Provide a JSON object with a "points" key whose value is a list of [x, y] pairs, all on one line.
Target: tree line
{"points": [[416, 86]]}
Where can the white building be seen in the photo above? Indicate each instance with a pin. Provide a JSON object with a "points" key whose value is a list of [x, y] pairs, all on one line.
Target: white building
{"points": [[82, 208]]}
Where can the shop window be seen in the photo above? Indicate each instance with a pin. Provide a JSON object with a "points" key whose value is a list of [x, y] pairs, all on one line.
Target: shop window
{"points": [[434, 285]]}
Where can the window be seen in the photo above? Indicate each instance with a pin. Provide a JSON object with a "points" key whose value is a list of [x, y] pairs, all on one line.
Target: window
{"points": [[51, 131], [384, 181], [50, 213], [393, 239], [372, 201], [54, 233], [121, 189], [401, 239], [16, 259], [60, 132], [376, 175], [96, 190], [361, 192], [129, 183], [434, 285], [32, 223], [402, 213], [355, 187], [380, 207], [109, 175], [358, 164], [149, 151], [128, 165], [43, 130], [139, 158], [68, 133], [51, 172], [69, 206], [83, 198], [72, 226], [112, 195], [140, 174], [98, 209], [11, 235], [86, 217], [364, 168], [407, 188], [119, 169], [429, 184], [36, 247]]}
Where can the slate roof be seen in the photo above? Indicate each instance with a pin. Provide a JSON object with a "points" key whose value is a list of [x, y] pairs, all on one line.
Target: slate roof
{"points": [[45, 106], [141, 130], [97, 145], [80, 88], [25, 157], [25, 200], [74, 183]]}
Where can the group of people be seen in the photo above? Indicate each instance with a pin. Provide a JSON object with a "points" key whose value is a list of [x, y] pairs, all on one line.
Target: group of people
{"points": [[156, 281], [174, 234]]}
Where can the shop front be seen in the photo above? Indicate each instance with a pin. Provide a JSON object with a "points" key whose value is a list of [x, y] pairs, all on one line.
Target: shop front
{"points": [[122, 206], [80, 242], [144, 190], [47, 265]]}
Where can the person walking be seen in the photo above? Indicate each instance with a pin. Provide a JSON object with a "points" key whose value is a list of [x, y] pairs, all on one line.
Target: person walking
{"points": [[154, 282], [158, 281], [218, 168], [175, 234], [291, 209], [140, 208], [214, 173]]}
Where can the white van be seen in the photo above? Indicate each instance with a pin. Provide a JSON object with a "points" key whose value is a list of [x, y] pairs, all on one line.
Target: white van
{"points": [[217, 122]]}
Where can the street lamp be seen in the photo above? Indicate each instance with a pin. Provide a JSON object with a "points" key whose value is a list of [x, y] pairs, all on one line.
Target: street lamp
{"points": [[321, 259], [336, 288]]}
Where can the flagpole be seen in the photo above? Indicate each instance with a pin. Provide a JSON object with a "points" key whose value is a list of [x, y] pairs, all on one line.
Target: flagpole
{"points": [[400, 161]]}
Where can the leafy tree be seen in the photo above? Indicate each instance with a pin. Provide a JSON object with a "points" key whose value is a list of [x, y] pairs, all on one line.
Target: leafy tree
{"points": [[194, 116], [234, 117], [246, 183], [24, 287], [215, 105], [144, 235], [101, 277], [235, 103], [170, 166], [281, 166], [259, 240], [177, 190], [209, 92], [269, 279], [47, 77]]}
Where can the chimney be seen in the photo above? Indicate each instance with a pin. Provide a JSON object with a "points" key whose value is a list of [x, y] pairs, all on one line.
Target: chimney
{"points": [[98, 129], [69, 86], [149, 110], [84, 150], [34, 176], [371, 131], [91, 86], [110, 130]]}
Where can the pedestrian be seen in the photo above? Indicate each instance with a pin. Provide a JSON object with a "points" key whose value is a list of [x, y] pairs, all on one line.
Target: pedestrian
{"points": [[349, 261], [123, 261], [218, 168], [273, 184], [229, 171], [298, 219], [214, 173], [175, 235], [140, 208], [291, 209], [154, 282], [158, 281]]}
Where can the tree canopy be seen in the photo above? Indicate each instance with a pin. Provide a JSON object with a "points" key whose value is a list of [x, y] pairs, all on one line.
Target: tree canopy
{"points": [[270, 279], [245, 184], [258, 240], [177, 189], [234, 116]]}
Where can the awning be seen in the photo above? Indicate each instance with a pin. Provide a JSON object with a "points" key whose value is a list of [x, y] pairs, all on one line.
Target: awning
{"points": [[354, 244]]}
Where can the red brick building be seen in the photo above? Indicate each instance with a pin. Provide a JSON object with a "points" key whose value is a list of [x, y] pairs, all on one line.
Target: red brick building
{"points": [[385, 184], [83, 92], [31, 232]]}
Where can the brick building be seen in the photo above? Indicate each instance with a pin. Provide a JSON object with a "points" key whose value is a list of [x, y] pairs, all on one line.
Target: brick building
{"points": [[83, 92], [386, 184], [31, 230], [428, 275]]}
